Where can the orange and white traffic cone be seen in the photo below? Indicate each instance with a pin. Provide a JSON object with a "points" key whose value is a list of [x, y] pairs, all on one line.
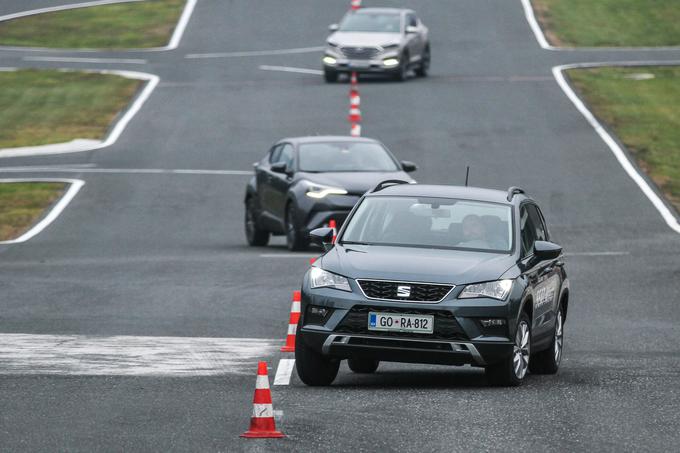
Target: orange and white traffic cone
{"points": [[354, 80], [354, 110], [355, 130], [262, 422], [292, 323], [332, 224], [355, 4]]}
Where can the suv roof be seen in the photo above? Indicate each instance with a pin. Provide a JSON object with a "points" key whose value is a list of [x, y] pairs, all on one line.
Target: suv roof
{"points": [[445, 191], [326, 139]]}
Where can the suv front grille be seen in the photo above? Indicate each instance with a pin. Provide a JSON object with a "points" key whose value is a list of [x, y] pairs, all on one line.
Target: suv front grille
{"points": [[445, 325], [360, 53], [417, 292]]}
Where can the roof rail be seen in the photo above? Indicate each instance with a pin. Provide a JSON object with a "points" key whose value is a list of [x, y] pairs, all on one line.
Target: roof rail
{"points": [[388, 182], [512, 191]]}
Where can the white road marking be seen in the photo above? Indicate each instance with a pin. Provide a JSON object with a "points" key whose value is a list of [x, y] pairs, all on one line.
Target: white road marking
{"points": [[52, 9], [596, 253], [255, 53], [87, 60], [621, 157], [130, 355], [132, 171], [291, 69], [89, 145], [75, 186], [181, 25], [287, 255], [284, 371]]}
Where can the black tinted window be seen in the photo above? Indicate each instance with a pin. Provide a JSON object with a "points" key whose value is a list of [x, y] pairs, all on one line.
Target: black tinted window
{"points": [[287, 155], [411, 20], [275, 154], [345, 156], [532, 228]]}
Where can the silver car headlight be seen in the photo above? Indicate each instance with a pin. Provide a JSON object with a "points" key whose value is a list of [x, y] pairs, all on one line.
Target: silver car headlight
{"points": [[390, 47], [321, 191], [320, 278], [495, 290]]}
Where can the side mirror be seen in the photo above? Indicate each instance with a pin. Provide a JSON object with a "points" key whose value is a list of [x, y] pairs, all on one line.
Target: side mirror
{"points": [[544, 250], [280, 167], [322, 237], [411, 29], [333, 27], [408, 166]]}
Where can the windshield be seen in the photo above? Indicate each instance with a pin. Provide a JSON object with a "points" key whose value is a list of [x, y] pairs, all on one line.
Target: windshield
{"points": [[347, 156], [371, 22], [431, 222]]}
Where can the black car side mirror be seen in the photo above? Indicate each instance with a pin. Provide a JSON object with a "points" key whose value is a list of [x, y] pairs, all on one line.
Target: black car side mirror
{"points": [[544, 250], [408, 166], [280, 167], [322, 237]]}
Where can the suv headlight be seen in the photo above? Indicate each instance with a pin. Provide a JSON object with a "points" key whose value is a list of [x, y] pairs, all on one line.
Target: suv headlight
{"points": [[319, 191], [323, 279], [495, 290], [390, 46]]}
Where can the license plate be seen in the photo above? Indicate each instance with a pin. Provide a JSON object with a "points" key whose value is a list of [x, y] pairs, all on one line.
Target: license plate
{"points": [[360, 64], [390, 322]]}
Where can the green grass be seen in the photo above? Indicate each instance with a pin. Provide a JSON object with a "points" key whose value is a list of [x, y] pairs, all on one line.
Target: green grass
{"points": [[629, 23], [645, 114], [49, 106], [23, 203], [117, 26]]}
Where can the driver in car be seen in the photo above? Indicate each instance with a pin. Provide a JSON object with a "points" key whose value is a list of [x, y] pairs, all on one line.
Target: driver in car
{"points": [[474, 232]]}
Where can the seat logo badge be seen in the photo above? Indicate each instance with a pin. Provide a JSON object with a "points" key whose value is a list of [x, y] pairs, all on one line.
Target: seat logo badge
{"points": [[403, 291]]}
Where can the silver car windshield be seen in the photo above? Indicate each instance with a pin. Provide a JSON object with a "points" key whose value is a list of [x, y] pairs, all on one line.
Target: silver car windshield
{"points": [[431, 222], [336, 157], [372, 22]]}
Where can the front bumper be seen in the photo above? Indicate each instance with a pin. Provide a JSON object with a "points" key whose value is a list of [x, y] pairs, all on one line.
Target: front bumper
{"points": [[371, 66]]}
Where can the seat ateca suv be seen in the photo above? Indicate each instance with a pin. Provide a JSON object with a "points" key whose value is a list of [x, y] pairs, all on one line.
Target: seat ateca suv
{"points": [[435, 274]]}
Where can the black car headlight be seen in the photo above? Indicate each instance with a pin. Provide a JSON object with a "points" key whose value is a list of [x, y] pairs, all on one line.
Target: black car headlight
{"points": [[321, 191], [494, 290], [320, 278]]}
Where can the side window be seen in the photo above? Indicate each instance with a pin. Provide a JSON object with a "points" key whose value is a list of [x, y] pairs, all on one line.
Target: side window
{"points": [[537, 221], [526, 231], [275, 154], [287, 155], [411, 20]]}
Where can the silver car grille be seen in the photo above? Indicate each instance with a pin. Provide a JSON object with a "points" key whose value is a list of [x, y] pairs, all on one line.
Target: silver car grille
{"points": [[360, 53]]}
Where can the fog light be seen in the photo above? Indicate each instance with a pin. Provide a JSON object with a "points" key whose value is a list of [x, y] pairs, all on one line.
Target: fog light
{"points": [[317, 315], [329, 60], [390, 62], [497, 322]]}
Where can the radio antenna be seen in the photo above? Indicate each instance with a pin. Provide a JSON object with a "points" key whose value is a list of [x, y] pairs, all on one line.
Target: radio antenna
{"points": [[467, 175]]}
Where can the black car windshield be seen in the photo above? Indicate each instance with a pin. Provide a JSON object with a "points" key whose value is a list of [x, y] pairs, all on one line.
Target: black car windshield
{"points": [[347, 156], [372, 22], [431, 222]]}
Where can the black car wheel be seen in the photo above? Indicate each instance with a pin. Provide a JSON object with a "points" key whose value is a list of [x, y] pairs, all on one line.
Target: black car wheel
{"points": [[512, 370], [313, 368], [402, 72], [548, 361], [424, 66], [330, 76], [363, 366], [254, 235], [295, 240]]}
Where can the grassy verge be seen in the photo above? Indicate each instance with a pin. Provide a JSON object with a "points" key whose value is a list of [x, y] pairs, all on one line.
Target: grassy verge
{"points": [[23, 203], [117, 26], [643, 113], [49, 106], [629, 23]]}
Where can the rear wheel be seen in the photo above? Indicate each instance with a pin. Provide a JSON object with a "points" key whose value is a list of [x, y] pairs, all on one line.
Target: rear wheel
{"points": [[313, 368], [363, 366], [330, 76], [254, 235], [424, 67], [295, 240], [548, 361], [513, 370]]}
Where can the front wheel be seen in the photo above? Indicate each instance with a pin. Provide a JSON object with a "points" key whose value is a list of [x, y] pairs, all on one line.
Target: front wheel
{"points": [[402, 72], [330, 76], [313, 368], [424, 68], [548, 361], [255, 236], [511, 371], [295, 240]]}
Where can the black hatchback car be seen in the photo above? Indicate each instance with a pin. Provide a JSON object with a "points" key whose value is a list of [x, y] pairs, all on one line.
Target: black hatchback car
{"points": [[303, 183], [435, 274]]}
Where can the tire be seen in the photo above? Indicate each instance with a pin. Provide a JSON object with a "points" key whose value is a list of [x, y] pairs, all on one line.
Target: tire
{"points": [[402, 73], [548, 361], [313, 368], [511, 371], [295, 240], [363, 366], [330, 76], [255, 236], [424, 67]]}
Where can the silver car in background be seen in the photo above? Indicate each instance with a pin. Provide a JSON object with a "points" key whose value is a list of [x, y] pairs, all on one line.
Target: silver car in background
{"points": [[378, 41]]}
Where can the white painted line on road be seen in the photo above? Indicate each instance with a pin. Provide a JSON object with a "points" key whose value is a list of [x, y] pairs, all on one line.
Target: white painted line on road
{"points": [[284, 371], [52, 9], [287, 255], [255, 53], [291, 69], [80, 145], [28, 354], [75, 186], [621, 157], [87, 60], [131, 171], [181, 25], [596, 253]]}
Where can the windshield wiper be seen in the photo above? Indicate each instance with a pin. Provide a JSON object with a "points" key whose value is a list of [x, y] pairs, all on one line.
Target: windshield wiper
{"points": [[355, 243]]}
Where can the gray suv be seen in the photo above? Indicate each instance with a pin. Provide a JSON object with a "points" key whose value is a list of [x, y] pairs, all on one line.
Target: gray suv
{"points": [[380, 41]]}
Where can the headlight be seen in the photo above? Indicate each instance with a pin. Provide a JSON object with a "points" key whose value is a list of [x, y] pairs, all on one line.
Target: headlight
{"points": [[319, 191], [390, 62], [332, 44], [495, 290], [390, 46], [329, 60], [324, 279]]}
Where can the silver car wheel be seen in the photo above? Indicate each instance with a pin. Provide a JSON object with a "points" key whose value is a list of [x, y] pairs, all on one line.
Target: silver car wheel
{"points": [[521, 350], [559, 338]]}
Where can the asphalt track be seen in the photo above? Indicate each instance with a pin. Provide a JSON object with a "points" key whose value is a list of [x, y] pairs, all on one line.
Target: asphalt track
{"points": [[163, 255]]}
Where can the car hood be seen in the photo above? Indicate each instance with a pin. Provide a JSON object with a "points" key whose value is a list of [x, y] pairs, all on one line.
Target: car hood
{"points": [[356, 183], [354, 38], [415, 264]]}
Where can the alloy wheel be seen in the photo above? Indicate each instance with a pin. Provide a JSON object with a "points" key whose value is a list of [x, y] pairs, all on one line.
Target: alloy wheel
{"points": [[559, 337], [521, 350]]}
